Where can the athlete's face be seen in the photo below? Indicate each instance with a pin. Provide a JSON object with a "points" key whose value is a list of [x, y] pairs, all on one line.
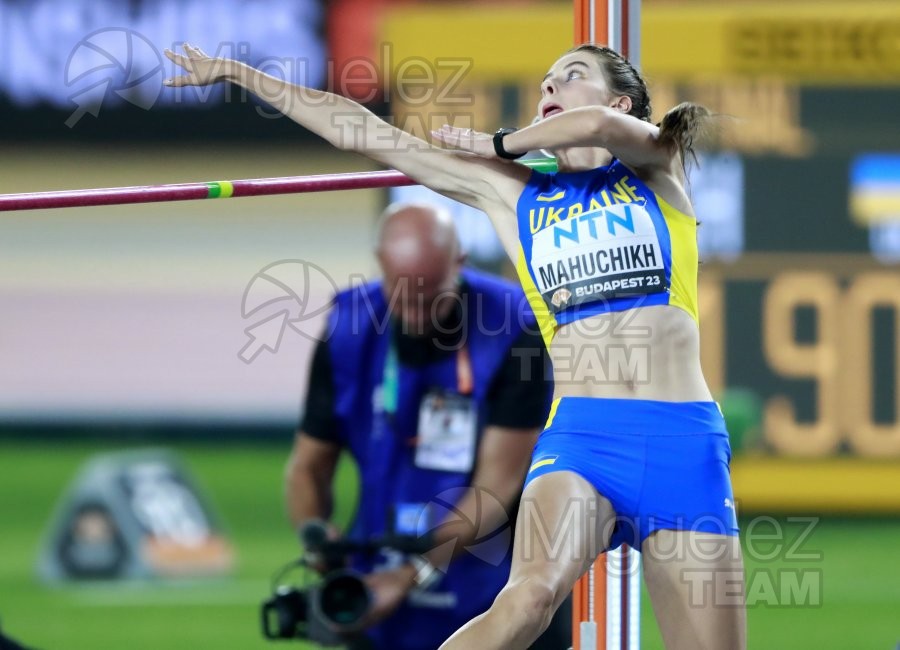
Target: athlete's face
{"points": [[575, 80]]}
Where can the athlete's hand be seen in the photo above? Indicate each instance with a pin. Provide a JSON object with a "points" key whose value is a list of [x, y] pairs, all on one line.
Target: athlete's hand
{"points": [[202, 69], [481, 144]]}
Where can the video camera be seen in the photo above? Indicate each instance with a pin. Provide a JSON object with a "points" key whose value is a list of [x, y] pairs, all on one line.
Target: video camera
{"points": [[329, 611]]}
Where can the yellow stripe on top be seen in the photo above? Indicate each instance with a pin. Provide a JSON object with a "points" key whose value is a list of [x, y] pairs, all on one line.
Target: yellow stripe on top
{"points": [[555, 197], [545, 320], [685, 258]]}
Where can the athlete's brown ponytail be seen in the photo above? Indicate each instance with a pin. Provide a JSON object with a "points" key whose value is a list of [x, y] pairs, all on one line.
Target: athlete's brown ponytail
{"points": [[682, 125]]}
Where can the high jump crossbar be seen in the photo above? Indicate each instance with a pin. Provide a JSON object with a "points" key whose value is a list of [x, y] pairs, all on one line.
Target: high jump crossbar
{"points": [[218, 189]]}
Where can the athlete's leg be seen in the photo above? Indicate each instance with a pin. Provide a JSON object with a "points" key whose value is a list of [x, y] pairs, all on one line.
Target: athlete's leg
{"points": [[696, 585], [562, 526]]}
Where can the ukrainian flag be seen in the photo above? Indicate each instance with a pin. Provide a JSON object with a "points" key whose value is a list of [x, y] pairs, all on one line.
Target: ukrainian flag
{"points": [[875, 188]]}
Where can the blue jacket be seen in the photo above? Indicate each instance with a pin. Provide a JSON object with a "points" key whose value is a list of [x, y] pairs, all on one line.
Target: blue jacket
{"points": [[390, 482]]}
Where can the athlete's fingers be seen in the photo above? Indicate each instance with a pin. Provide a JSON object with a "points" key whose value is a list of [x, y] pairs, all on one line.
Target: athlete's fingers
{"points": [[194, 52], [446, 138], [181, 80], [450, 135], [178, 59], [174, 57]]}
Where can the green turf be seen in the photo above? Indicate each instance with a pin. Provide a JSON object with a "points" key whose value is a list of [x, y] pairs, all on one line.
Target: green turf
{"points": [[244, 485], [859, 567]]}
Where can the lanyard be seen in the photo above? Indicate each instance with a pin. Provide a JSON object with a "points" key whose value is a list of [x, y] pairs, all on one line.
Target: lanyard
{"points": [[391, 379], [465, 382], [390, 384]]}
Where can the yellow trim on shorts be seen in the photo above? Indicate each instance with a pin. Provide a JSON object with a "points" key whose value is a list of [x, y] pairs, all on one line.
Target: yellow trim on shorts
{"points": [[685, 258], [542, 463]]}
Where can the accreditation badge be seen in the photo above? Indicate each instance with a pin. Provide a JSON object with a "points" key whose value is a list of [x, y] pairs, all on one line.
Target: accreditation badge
{"points": [[447, 435]]}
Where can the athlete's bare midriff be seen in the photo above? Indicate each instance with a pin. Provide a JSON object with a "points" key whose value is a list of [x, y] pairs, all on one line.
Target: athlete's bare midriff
{"points": [[644, 353]]}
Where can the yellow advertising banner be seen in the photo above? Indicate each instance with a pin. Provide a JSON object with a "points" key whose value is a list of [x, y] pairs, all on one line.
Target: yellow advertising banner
{"points": [[838, 485], [499, 42], [822, 43], [804, 42]]}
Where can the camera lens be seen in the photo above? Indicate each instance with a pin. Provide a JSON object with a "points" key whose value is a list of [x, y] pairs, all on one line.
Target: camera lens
{"points": [[344, 599]]}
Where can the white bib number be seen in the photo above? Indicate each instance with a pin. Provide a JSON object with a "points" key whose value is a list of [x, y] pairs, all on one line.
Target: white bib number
{"points": [[599, 255]]}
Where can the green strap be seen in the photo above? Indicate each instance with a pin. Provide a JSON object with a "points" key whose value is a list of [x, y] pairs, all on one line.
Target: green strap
{"points": [[390, 385]]}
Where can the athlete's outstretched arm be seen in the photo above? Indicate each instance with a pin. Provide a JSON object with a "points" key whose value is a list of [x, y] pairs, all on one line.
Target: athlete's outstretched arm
{"points": [[635, 142], [473, 180]]}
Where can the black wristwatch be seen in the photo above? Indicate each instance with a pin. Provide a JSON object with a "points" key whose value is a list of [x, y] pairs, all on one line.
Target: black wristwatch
{"points": [[498, 144]]}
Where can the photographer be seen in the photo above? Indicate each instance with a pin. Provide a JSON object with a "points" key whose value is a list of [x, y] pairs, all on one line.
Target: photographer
{"points": [[434, 380]]}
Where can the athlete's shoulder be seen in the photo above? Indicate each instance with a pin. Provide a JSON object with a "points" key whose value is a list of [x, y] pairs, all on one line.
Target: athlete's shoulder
{"points": [[618, 170]]}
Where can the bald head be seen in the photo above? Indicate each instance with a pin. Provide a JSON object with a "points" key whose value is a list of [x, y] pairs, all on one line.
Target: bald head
{"points": [[419, 237], [420, 259]]}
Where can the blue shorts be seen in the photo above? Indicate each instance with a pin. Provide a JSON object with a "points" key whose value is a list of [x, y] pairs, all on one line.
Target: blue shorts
{"points": [[662, 465]]}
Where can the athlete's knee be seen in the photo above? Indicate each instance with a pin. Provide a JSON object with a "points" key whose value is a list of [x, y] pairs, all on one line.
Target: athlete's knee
{"points": [[530, 600]]}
